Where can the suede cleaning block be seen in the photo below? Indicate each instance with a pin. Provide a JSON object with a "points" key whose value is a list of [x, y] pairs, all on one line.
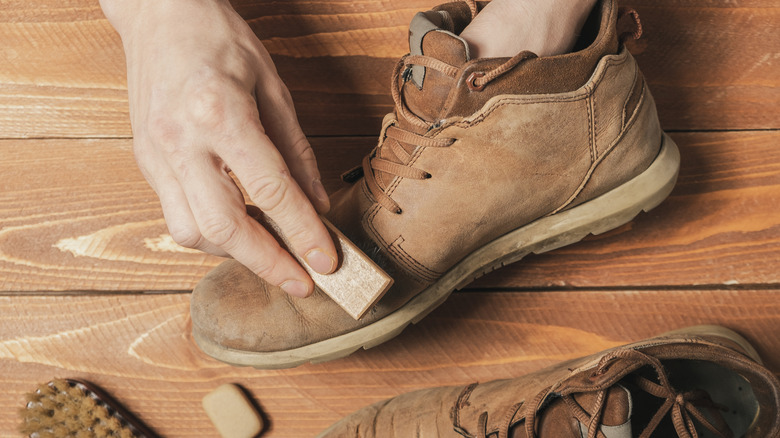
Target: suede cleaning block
{"points": [[358, 282], [232, 413]]}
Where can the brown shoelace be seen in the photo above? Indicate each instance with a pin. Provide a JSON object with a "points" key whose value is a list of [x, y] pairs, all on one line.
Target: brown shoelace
{"points": [[397, 162], [682, 406]]}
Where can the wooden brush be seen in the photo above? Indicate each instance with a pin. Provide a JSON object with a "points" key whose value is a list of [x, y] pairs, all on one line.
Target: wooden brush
{"points": [[78, 409]]}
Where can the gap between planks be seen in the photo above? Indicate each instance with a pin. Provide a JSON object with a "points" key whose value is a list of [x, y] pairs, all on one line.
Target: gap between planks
{"points": [[465, 290]]}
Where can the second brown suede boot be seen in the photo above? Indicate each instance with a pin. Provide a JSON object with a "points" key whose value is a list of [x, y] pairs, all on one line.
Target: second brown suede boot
{"points": [[483, 162], [699, 382]]}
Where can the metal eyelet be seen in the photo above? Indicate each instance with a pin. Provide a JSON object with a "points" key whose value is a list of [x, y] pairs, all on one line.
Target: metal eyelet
{"points": [[406, 74], [471, 81]]}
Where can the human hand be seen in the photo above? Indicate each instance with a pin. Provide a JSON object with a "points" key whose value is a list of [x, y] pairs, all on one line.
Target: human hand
{"points": [[205, 100]]}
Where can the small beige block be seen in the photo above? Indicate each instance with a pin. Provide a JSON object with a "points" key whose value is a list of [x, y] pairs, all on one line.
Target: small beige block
{"points": [[356, 285], [232, 413]]}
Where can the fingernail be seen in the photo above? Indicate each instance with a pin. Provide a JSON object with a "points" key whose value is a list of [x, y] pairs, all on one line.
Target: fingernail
{"points": [[320, 262], [320, 193], [295, 288]]}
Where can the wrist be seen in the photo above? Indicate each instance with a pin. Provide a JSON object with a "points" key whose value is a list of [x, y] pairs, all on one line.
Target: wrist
{"points": [[121, 13]]}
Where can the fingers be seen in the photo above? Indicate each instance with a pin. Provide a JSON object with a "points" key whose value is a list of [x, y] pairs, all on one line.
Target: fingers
{"points": [[220, 216], [270, 185], [282, 128], [300, 159], [181, 223]]}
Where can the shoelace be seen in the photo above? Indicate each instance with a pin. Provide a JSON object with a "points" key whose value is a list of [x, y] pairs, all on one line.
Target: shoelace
{"points": [[476, 81], [681, 405], [395, 136]]}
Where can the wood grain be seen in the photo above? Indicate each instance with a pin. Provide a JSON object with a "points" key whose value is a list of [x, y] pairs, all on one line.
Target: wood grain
{"points": [[139, 348], [77, 215], [702, 67], [711, 65]]}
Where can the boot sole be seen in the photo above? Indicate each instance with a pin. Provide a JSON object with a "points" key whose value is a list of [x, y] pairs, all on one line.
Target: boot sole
{"points": [[599, 215]]}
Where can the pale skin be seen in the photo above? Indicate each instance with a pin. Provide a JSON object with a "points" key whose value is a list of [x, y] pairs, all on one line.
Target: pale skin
{"points": [[205, 99]]}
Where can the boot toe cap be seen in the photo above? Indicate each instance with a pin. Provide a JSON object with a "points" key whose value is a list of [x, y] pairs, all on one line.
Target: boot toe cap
{"points": [[237, 310]]}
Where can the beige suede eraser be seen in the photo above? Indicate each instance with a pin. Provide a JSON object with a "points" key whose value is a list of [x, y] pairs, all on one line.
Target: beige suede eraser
{"points": [[358, 282], [232, 413]]}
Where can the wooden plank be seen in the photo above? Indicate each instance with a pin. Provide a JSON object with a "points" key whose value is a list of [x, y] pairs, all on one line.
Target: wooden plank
{"points": [[711, 65], [703, 68], [77, 215], [139, 348]]}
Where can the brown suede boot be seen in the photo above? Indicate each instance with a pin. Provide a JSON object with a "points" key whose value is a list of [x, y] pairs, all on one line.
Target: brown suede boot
{"points": [[703, 381], [483, 162]]}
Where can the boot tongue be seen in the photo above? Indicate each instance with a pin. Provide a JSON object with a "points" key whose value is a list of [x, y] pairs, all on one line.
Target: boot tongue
{"points": [[431, 34], [616, 416], [557, 420]]}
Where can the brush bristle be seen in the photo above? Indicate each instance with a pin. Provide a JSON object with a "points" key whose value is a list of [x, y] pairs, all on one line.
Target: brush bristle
{"points": [[371, 250], [59, 409]]}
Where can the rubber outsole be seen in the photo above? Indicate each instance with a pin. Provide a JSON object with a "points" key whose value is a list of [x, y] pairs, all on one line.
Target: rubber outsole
{"points": [[606, 212]]}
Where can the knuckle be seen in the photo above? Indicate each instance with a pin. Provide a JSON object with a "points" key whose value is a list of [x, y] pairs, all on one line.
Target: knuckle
{"points": [[279, 93], [207, 90], [207, 106], [304, 150], [267, 266], [244, 117], [302, 237], [188, 237], [219, 229], [269, 191], [142, 152], [221, 108], [167, 142], [163, 129]]}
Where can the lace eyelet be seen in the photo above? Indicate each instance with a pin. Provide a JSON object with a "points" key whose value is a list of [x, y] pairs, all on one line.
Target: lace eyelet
{"points": [[406, 74], [471, 81], [597, 374], [398, 211]]}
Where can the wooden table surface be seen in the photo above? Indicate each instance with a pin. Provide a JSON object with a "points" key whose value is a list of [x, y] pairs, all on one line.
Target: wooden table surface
{"points": [[92, 286]]}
